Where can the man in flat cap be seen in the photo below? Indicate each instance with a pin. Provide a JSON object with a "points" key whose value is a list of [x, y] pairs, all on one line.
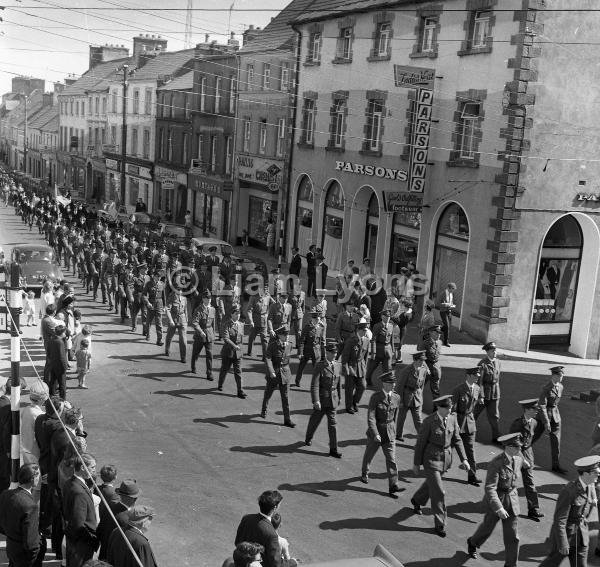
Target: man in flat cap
{"points": [[409, 386], [381, 431], [548, 417], [354, 365], [108, 278], [203, 323], [381, 346], [465, 398], [345, 324], [312, 342], [525, 425], [231, 353], [438, 435], [501, 499], [119, 553], [279, 375], [326, 393], [432, 347], [569, 535], [489, 381]]}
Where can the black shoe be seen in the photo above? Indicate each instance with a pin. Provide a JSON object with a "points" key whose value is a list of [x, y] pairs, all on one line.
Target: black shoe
{"points": [[558, 469], [289, 424], [134, 329], [296, 384], [416, 507], [471, 549], [474, 481], [147, 337], [263, 414], [440, 531], [193, 370], [535, 515], [335, 453], [364, 479], [220, 387], [394, 489], [355, 408], [210, 378], [350, 410], [184, 360], [400, 439], [160, 343], [242, 395], [167, 353], [308, 442], [447, 344]]}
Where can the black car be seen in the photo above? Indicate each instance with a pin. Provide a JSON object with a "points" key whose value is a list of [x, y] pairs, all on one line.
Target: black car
{"points": [[37, 263]]}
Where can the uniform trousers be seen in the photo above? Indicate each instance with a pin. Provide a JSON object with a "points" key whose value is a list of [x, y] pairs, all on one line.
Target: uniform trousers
{"points": [[355, 388], [296, 329], [256, 331], [493, 414], [510, 534], [531, 494], [154, 315], [446, 317], [197, 347], [435, 377], [95, 284], [468, 440], [226, 363], [389, 451], [315, 420], [578, 551], [433, 488], [181, 331], [272, 385], [107, 288], [306, 356], [137, 308], [554, 435], [417, 418]]}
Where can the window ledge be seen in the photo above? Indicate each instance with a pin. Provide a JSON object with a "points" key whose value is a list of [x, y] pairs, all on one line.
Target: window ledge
{"points": [[463, 162], [423, 55], [373, 153], [341, 61], [306, 146], [311, 63], [374, 58], [335, 149], [475, 50]]}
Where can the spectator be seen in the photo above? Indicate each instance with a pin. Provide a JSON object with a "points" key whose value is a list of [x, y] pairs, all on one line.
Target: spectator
{"points": [[258, 528], [311, 271], [295, 262], [119, 554], [29, 309], [83, 357], [30, 450], [283, 542], [47, 325], [365, 268], [245, 554], [86, 333], [56, 353], [108, 474]]}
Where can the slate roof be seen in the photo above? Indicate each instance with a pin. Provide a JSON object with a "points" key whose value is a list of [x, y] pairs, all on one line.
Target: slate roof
{"points": [[166, 63], [41, 118], [93, 76], [324, 9], [183, 83]]}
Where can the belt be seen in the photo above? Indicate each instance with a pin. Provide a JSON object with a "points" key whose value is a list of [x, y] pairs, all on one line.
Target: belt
{"points": [[551, 407], [386, 422]]}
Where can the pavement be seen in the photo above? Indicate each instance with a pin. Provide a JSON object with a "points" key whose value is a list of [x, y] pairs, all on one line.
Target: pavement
{"points": [[202, 457]]}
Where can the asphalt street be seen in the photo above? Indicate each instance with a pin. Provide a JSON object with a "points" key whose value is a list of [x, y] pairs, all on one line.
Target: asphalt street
{"points": [[202, 457]]}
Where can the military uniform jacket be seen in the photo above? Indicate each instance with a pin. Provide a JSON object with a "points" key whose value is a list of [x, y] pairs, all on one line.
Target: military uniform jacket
{"points": [[258, 310], [97, 261], [490, 378], [138, 286], [177, 307], [108, 268], [501, 484], [279, 314], [432, 348], [573, 508], [126, 285], [382, 338], [549, 399], [203, 322], [297, 303], [345, 325], [464, 400], [312, 339], [526, 429], [233, 334], [354, 356], [435, 441], [278, 361], [409, 385], [154, 293], [382, 416], [325, 385]]}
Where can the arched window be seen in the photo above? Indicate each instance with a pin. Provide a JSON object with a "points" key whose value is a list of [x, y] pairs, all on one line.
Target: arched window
{"points": [[333, 225], [304, 215]]}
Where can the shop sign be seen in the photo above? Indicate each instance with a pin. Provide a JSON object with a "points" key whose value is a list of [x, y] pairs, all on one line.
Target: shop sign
{"points": [[413, 77], [133, 169], [168, 184], [261, 171], [138, 171], [588, 197], [372, 170], [197, 167], [207, 185], [112, 164], [399, 202]]}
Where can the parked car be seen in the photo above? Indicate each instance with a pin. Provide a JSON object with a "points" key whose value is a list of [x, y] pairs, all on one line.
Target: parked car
{"points": [[112, 212], [175, 236], [37, 263], [381, 558]]}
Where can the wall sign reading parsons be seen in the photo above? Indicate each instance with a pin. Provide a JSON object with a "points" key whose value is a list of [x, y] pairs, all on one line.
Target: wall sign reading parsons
{"points": [[372, 170]]}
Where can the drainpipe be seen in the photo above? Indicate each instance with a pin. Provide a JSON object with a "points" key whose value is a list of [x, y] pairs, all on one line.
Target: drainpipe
{"points": [[235, 182]]}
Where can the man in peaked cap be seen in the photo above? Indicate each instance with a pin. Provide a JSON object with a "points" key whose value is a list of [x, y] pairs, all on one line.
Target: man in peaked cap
{"points": [[525, 425], [489, 381], [354, 365], [326, 393], [381, 431], [548, 417], [432, 347], [569, 535], [465, 398], [409, 386], [231, 353], [381, 346], [438, 435], [312, 341], [501, 499], [203, 323]]}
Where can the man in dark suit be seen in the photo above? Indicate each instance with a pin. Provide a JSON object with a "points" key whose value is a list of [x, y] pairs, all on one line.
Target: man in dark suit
{"points": [[296, 263], [311, 271], [57, 363], [5, 416], [19, 520], [108, 474], [258, 528], [322, 268], [119, 554], [79, 513]]}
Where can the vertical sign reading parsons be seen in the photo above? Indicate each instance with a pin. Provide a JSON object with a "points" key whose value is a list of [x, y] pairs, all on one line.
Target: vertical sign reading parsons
{"points": [[421, 79]]}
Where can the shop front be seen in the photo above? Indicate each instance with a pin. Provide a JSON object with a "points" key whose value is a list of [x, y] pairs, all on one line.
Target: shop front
{"points": [[261, 182], [95, 180], [303, 227], [406, 210], [113, 180], [78, 168], [171, 192], [333, 227], [210, 205]]}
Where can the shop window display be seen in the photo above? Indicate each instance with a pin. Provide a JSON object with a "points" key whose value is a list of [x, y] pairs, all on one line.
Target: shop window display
{"points": [[333, 225], [304, 215], [262, 221]]}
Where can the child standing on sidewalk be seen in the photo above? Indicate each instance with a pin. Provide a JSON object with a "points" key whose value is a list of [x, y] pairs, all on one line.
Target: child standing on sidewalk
{"points": [[83, 357], [29, 309]]}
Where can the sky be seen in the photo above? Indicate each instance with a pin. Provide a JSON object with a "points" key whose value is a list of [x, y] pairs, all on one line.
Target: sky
{"points": [[47, 40]]}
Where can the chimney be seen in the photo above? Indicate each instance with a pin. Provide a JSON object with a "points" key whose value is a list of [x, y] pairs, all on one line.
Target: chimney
{"points": [[104, 53], [233, 43], [250, 34], [48, 99], [147, 44], [59, 87], [206, 37], [69, 81]]}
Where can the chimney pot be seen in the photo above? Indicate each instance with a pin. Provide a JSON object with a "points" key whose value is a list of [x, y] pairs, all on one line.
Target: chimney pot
{"points": [[232, 35], [206, 36], [251, 27]]}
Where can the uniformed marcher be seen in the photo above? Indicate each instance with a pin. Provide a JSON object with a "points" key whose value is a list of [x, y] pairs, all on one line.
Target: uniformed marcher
{"points": [[177, 317], [409, 386], [548, 417], [501, 499], [569, 535], [489, 382], [231, 353], [138, 307], [297, 300], [345, 324], [326, 394], [381, 346], [203, 323], [432, 347], [381, 431], [438, 435], [154, 300], [125, 290], [354, 366], [257, 312], [465, 398], [312, 342], [279, 375], [108, 278], [96, 261], [280, 312], [525, 425]]}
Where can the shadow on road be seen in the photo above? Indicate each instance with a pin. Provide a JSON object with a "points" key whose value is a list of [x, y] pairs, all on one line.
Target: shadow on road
{"points": [[381, 523]]}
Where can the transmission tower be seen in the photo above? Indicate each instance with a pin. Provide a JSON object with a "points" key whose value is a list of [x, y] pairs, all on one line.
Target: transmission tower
{"points": [[187, 40]]}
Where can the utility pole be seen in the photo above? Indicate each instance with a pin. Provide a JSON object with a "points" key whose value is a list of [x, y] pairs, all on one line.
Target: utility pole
{"points": [[15, 306], [124, 134], [25, 137]]}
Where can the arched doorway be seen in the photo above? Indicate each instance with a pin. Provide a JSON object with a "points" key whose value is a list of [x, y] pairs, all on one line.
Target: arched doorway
{"points": [[364, 225], [556, 286], [304, 215], [333, 225], [450, 253], [371, 230]]}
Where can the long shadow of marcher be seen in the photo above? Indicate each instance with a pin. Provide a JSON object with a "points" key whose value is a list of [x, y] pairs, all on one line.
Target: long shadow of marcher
{"points": [[338, 485], [236, 418], [534, 552], [458, 559], [392, 523]]}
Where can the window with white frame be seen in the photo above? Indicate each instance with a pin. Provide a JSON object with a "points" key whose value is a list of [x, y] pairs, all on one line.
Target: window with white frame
{"points": [[77, 108], [281, 137], [262, 138], [148, 101], [114, 102], [213, 154], [481, 29], [469, 122], [199, 146], [171, 97], [186, 104], [146, 144], [136, 101], [113, 135], [339, 123], [217, 94], [232, 86], [308, 121], [97, 105], [285, 76], [203, 94], [228, 155], [266, 83], [374, 125], [247, 132], [384, 38], [314, 47], [344, 47], [184, 148], [250, 75], [428, 34], [134, 142]]}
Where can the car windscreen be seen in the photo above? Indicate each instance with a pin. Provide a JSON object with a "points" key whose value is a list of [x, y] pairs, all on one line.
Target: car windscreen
{"points": [[26, 256], [220, 249]]}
